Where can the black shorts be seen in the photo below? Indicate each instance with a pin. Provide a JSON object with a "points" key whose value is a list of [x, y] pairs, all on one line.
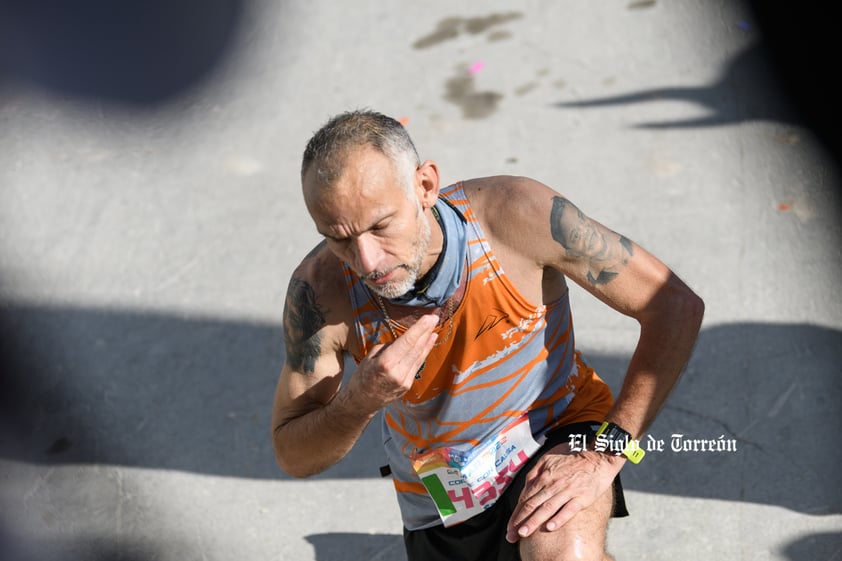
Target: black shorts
{"points": [[483, 537]]}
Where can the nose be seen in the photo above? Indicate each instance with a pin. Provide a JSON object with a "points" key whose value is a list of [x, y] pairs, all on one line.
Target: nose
{"points": [[367, 254]]}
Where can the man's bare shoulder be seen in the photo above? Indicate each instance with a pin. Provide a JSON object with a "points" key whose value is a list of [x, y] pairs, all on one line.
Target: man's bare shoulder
{"points": [[317, 289], [321, 268], [497, 194], [510, 206]]}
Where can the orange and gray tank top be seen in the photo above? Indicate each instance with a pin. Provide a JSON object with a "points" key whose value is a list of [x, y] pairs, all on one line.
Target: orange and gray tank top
{"points": [[507, 360]]}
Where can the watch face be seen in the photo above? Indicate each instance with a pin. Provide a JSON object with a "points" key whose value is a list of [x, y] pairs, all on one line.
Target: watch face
{"points": [[612, 439]]}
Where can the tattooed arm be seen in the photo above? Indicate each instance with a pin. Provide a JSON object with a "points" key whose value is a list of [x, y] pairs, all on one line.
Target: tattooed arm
{"points": [[603, 252], [308, 436], [560, 237], [544, 230], [634, 282], [316, 421]]}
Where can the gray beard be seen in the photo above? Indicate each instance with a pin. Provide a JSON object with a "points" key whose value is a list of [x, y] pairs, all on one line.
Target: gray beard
{"points": [[399, 288]]}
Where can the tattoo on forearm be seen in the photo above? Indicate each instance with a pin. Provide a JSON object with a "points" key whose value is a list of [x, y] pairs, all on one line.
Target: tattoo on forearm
{"points": [[303, 319], [605, 251]]}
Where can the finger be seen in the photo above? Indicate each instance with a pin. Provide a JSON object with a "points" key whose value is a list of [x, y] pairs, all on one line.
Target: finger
{"points": [[375, 350], [523, 508], [411, 349], [418, 333], [543, 493], [565, 506], [535, 513], [564, 515], [535, 484], [529, 500], [539, 485], [419, 359]]}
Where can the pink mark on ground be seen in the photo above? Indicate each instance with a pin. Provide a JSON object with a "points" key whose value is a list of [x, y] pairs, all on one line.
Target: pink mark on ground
{"points": [[476, 67]]}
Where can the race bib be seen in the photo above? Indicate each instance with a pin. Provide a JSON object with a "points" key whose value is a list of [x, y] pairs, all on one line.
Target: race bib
{"points": [[464, 484]]}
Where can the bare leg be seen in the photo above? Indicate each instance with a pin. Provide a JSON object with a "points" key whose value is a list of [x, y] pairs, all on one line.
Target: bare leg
{"points": [[581, 539]]}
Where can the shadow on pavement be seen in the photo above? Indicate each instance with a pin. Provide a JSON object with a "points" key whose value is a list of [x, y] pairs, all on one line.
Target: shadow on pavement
{"points": [[774, 389], [90, 548], [137, 52], [735, 97], [827, 545], [371, 547], [342, 546], [782, 76], [170, 392]]}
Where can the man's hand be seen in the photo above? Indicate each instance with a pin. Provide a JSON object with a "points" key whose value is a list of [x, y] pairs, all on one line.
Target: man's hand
{"points": [[388, 371], [561, 484]]}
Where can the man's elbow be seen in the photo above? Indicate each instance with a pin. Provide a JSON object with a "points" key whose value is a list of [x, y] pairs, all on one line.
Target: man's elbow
{"points": [[675, 304], [693, 307], [286, 457], [291, 468], [688, 308], [698, 308]]}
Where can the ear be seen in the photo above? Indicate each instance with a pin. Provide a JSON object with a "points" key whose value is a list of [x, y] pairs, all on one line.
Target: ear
{"points": [[427, 183]]}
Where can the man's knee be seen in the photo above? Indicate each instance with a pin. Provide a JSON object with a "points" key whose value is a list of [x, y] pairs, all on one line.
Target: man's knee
{"points": [[542, 546], [582, 538]]}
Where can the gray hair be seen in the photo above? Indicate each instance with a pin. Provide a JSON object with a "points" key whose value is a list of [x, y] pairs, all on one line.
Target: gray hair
{"points": [[328, 147]]}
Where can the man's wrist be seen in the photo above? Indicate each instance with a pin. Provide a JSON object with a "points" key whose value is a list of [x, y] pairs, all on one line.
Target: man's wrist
{"points": [[613, 440], [348, 408]]}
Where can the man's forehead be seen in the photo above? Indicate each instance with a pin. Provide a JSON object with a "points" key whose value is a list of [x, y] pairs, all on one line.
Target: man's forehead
{"points": [[357, 171], [364, 160], [339, 212]]}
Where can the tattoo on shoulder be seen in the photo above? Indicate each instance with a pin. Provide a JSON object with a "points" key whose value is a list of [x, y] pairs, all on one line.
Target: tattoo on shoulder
{"points": [[303, 320], [606, 252]]}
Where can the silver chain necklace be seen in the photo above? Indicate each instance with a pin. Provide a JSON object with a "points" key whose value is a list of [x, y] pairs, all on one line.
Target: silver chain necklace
{"points": [[449, 307]]}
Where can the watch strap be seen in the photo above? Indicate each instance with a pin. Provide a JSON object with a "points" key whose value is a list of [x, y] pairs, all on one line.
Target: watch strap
{"points": [[613, 439]]}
